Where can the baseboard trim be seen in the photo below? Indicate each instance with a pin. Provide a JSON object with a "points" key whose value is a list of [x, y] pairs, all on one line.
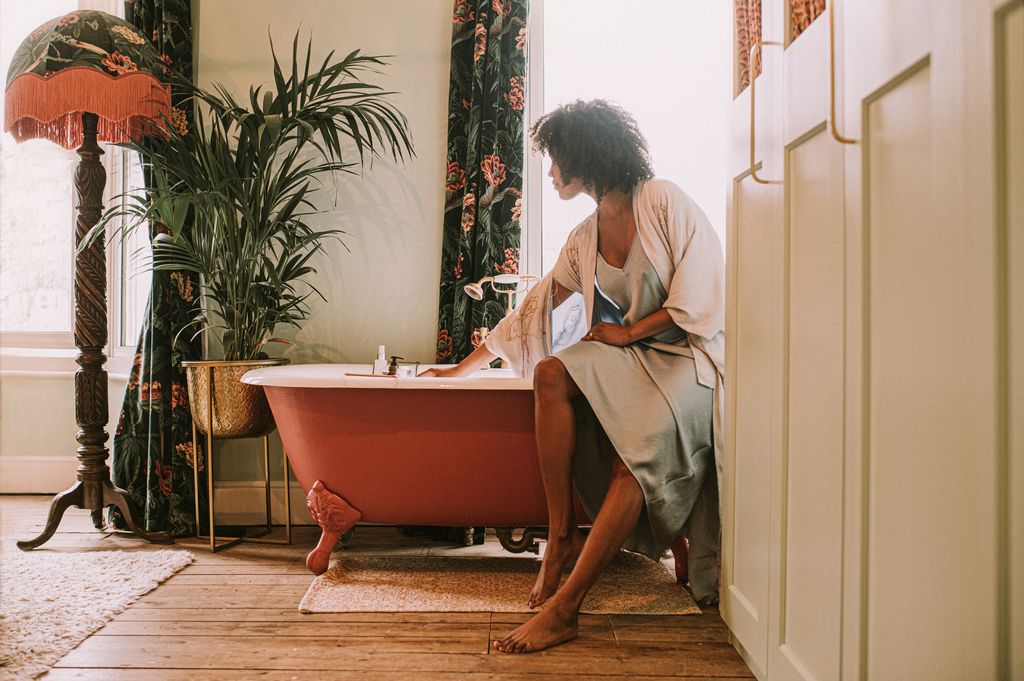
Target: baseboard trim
{"points": [[747, 657], [242, 502], [238, 502], [37, 474]]}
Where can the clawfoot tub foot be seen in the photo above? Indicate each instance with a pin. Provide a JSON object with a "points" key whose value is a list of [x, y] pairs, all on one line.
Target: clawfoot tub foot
{"points": [[335, 517]]}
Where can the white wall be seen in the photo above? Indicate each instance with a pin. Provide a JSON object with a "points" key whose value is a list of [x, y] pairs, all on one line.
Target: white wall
{"points": [[37, 429], [385, 289], [674, 75]]}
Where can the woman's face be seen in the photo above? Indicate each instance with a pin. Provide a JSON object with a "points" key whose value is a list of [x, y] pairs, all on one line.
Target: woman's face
{"points": [[565, 191]]}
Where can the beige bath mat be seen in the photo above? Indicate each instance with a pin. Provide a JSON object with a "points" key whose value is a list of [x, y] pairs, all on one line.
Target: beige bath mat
{"points": [[632, 585]]}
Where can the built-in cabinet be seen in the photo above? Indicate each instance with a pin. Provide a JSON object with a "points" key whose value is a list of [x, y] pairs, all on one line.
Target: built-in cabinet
{"points": [[874, 487]]}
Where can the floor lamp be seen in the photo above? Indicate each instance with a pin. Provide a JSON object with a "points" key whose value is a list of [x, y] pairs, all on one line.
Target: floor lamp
{"points": [[84, 78]]}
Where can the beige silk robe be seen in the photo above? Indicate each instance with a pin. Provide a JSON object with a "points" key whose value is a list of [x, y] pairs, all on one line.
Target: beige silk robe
{"points": [[686, 253]]}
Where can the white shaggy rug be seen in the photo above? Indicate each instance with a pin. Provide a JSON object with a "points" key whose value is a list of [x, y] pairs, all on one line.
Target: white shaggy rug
{"points": [[632, 585], [50, 602]]}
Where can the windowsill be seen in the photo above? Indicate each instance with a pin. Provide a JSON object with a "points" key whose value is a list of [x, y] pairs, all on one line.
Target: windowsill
{"points": [[54, 362], [37, 360]]}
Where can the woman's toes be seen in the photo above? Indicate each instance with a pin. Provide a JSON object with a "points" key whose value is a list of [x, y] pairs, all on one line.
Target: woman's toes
{"points": [[506, 644]]}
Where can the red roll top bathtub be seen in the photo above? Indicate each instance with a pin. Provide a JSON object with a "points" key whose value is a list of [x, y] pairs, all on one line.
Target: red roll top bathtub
{"points": [[408, 451]]}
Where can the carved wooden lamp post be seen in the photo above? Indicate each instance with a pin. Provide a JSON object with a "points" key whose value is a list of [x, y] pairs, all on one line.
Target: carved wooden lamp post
{"points": [[82, 78]]}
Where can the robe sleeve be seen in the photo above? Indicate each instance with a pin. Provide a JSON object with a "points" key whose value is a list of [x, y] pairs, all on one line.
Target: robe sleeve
{"points": [[523, 337], [696, 292], [567, 268]]}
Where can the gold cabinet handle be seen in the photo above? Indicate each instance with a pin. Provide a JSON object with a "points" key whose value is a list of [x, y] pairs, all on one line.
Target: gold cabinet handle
{"points": [[750, 68], [839, 137]]}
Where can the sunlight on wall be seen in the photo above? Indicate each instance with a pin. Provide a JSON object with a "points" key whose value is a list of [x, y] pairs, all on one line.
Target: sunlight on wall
{"points": [[668, 62]]}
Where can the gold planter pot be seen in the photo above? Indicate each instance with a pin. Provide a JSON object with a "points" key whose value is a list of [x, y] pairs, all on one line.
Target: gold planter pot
{"points": [[220, 402], [239, 409]]}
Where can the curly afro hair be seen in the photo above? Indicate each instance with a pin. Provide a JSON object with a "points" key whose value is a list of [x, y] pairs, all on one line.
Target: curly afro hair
{"points": [[597, 142]]}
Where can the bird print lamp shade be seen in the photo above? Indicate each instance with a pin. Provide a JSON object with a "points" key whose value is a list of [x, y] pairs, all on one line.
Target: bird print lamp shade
{"points": [[86, 61]]}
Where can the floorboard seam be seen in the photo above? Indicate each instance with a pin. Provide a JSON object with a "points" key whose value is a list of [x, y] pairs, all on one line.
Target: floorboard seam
{"points": [[490, 624]]}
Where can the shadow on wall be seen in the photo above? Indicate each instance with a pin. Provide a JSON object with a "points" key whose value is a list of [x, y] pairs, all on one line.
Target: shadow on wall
{"points": [[372, 279]]}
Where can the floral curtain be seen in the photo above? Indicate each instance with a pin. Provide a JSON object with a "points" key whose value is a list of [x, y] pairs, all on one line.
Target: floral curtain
{"points": [[152, 452], [802, 13], [748, 32], [483, 187]]}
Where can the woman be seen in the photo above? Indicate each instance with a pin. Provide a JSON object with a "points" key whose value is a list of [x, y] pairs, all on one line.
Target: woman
{"points": [[626, 414]]}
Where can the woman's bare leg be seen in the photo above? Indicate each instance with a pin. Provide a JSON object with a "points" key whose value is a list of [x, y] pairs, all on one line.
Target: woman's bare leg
{"points": [[555, 426], [618, 517]]}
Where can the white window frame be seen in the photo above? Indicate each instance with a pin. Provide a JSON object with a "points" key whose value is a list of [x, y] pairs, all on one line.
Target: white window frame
{"points": [[532, 235], [120, 268], [25, 351]]}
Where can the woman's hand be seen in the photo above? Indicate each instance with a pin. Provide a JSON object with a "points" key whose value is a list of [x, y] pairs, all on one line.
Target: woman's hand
{"points": [[477, 359], [611, 334]]}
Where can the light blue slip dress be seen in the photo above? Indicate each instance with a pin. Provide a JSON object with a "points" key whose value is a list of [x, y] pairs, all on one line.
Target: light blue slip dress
{"points": [[643, 402]]}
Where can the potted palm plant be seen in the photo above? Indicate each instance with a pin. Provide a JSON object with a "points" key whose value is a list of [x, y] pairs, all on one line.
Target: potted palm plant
{"points": [[231, 200]]}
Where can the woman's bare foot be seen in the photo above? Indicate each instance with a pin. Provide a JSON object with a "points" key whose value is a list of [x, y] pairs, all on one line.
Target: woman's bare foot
{"points": [[557, 554], [557, 623]]}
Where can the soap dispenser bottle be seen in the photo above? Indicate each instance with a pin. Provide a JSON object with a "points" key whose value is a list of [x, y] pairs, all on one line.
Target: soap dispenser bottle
{"points": [[380, 365]]}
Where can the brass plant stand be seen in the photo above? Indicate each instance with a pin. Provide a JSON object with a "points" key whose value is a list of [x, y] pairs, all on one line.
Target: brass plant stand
{"points": [[261, 537]]}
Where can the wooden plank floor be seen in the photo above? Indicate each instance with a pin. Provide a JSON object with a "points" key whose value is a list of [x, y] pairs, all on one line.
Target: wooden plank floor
{"points": [[233, 615]]}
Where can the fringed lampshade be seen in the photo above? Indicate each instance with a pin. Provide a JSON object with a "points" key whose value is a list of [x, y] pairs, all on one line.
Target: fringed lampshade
{"points": [[85, 61], [82, 78]]}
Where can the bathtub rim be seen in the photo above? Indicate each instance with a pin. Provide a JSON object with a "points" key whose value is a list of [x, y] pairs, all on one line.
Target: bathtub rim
{"points": [[334, 376]]}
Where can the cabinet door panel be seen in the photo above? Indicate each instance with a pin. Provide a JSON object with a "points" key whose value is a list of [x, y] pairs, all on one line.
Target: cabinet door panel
{"points": [[745, 584], [753, 354], [882, 38], [907, 501], [927, 430], [807, 535], [811, 489], [739, 140], [805, 81], [927, 412], [1010, 137]]}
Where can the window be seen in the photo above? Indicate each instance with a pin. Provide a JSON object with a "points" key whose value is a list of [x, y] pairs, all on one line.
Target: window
{"points": [[36, 211], [667, 62], [37, 229], [130, 257]]}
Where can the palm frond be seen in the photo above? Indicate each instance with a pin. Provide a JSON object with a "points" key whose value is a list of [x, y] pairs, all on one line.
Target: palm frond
{"points": [[235, 192]]}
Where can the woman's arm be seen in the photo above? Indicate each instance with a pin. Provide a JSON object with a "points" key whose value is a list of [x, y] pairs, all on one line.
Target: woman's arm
{"points": [[559, 294], [614, 334], [477, 359], [481, 357]]}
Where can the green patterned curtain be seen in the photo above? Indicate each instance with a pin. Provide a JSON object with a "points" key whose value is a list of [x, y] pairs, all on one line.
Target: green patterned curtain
{"points": [[152, 454], [483, 187]]}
